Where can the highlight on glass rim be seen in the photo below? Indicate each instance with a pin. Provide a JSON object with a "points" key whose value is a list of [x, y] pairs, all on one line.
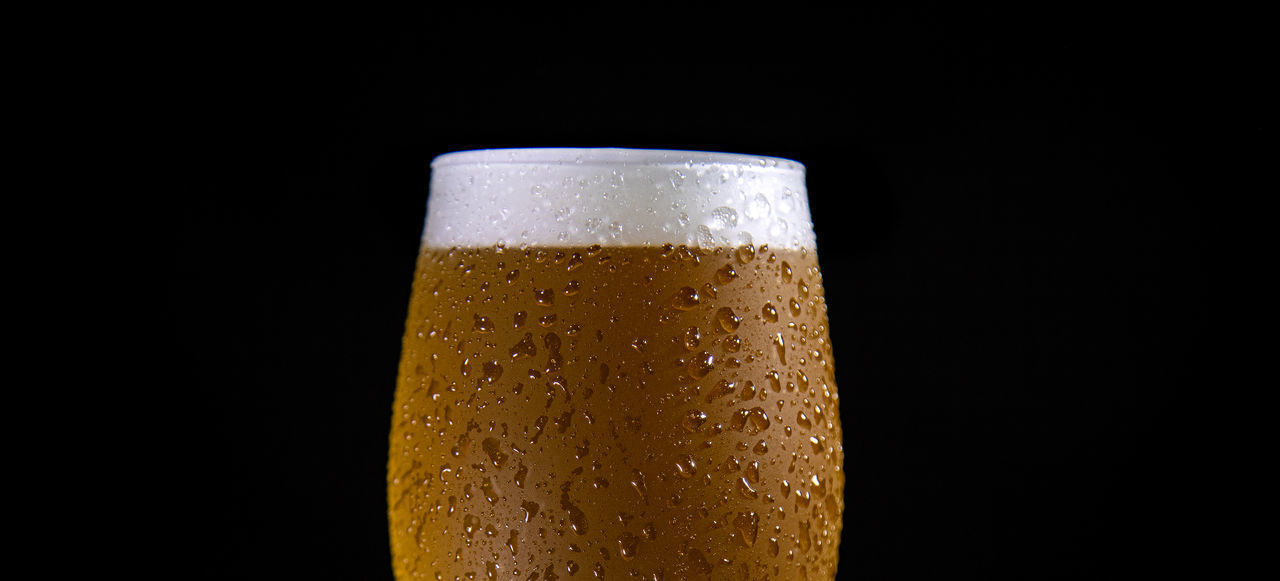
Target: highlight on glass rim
{"points": [[616, 365]]}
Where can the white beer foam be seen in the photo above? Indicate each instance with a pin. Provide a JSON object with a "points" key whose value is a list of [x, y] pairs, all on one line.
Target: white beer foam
{"points": [[615, 197]]}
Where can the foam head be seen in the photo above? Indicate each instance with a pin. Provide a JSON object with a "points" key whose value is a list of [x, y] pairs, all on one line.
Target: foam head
{"points": [[615, 197]]}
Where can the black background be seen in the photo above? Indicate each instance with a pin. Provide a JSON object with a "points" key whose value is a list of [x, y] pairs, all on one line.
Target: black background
{"points": [[1008, 202]]}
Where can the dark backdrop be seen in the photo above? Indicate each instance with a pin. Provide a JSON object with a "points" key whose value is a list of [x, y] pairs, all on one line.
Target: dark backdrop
{"points": [[1008, 208]]}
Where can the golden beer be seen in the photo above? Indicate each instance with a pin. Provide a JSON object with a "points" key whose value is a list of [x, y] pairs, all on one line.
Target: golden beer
{"points": [[659, 411]]}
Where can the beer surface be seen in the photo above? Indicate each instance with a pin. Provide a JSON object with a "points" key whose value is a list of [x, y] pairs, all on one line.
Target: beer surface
{"points": [[658, 413]]}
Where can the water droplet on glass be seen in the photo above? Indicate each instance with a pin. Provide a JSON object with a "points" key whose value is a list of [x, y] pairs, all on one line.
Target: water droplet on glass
{"points": [[701, 364], [627, 545], [726, 274], [685, 299], [482, 324], [686, 467], [692, 338], [775, 381], [530, 509], [492, 371], [748, 525], [803, 420], [525, 348], [723, 218], [769, 312], [758, 207], [693, 420], [728, 320]]}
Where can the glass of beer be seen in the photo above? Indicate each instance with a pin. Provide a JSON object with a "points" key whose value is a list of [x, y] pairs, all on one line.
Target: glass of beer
{"points": [[616, 365]]}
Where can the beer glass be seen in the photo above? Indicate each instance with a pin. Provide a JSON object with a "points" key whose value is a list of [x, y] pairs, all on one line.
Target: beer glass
{"points": [[616, 365]]}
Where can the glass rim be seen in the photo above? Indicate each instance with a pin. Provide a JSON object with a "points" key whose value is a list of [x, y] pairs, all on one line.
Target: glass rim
{"points": [[596, 156]]}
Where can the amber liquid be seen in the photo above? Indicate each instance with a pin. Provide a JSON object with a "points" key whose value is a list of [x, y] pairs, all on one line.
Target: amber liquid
{"points": [[618, 413]]}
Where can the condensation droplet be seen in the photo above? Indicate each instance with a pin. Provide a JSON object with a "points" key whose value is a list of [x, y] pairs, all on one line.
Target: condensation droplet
{"points": [[701, 364], [693, 420], [525, 348], [723, 218], [803, 420], [775, 381], [726, 274], [685, 299], [692, 338], [748, 525], [492, 449], [728, 320], [758, 207], [686, 467], [769, 312], [627, 545]]}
